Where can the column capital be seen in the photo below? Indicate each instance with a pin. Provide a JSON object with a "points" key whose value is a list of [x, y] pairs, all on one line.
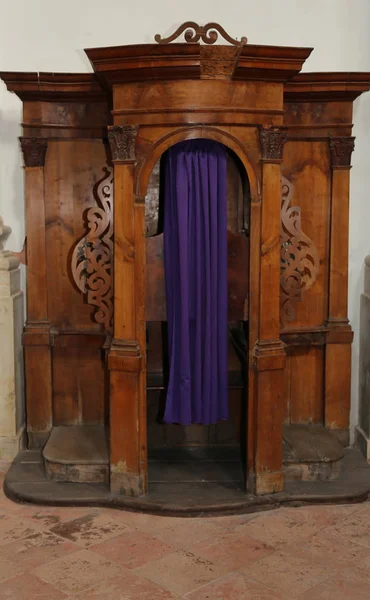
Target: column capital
{"points": [[272, 140], [341, 149], [122, 141], [34, 151]]}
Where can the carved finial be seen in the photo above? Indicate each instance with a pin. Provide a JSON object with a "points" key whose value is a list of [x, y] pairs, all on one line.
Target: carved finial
{"points": [[341, 149], [34, 151], [272, 142], [122, 140], [194, 32]]}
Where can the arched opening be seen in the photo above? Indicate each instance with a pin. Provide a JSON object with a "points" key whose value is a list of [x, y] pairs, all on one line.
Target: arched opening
{"points": [[208, 454]]}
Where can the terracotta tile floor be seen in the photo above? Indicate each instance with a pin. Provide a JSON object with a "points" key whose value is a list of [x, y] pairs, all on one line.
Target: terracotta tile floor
{"points": [[313, 553]]}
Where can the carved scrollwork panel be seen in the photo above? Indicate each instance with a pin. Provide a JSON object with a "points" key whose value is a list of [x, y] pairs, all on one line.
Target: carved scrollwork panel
{"points": [[299, 256], [92, 258]]}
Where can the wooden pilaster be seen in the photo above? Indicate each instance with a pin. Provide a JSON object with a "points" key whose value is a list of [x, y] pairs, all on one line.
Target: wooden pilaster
{"points": [[339, 337], [126, 356], [36, 337], [269, 353]]}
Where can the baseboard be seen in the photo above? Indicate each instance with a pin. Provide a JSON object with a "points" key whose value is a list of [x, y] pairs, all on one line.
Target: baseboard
{"points": [[362, 442]]}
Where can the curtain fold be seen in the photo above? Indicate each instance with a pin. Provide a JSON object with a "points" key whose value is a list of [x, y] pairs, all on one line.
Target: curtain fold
{"points": [[195, 258]]}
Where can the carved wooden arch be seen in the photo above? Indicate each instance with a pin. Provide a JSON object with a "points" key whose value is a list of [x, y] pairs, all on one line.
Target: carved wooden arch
{"points": [[145, 168]]}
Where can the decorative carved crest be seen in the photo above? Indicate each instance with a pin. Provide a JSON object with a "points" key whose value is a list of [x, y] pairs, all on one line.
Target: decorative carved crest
{"points": [[34, 151], [341, 149], [92, 258], [299, 257], [272, 142], [122, 140], [194, 32]]}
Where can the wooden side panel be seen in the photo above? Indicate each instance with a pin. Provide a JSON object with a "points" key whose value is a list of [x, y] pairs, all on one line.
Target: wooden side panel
{"points": [[306, 385], [72, 170], [307, 165]]}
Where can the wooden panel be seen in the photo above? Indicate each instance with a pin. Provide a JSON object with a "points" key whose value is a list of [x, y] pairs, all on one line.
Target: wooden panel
{"points": [[72, 170], [124, 253], [66, 400], [79, 385], [287, 396], [338, 300], [270, 254], [124, 422], [306, 165], [38, 378], [307, 385], [337, 386]]}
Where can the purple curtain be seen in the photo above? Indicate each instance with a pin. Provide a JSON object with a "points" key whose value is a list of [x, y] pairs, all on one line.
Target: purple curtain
{"points": [[195, 258]]}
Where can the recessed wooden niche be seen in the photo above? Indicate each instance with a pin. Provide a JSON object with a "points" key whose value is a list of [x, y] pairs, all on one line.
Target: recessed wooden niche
{"points": [[95, 340]]}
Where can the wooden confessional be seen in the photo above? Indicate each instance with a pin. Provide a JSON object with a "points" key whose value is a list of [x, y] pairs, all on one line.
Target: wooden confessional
{"points": [[95, 336]]}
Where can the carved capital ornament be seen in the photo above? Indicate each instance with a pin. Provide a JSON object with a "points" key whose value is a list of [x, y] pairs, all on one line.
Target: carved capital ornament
{"points": [[34, 151], [272, 142], [122, 141], [341, 149]]}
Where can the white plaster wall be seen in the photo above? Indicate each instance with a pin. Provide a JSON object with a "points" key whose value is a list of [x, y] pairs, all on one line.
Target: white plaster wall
{"points": [[45, 35]]}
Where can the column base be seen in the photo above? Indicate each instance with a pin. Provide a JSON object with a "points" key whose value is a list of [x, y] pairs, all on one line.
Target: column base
{"points": [[269, 483], [10, 445], [125, 484], [37, 439]]}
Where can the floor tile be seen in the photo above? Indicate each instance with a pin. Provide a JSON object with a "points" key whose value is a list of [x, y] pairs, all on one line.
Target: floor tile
{"points": [[234, 587], [232, 550], [289, 574], [360, 571], [29, 587], [78, 571], [328, 550], [132, 550], [128, 587], [181, 571], [37, 549], [356, 528], [90, 529], [283, 527], [9, 569], [338, 589], [13, 528], [184, 532]]}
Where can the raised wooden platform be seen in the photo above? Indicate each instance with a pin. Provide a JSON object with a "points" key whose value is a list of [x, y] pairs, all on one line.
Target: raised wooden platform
{"points": [[310, 453], [26, 482], [77, 454]]}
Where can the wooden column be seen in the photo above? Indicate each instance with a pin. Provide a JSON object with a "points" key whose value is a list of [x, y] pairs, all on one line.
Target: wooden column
{"points": [[36, 337], [269, 352], [340, 335], [126, 360]]}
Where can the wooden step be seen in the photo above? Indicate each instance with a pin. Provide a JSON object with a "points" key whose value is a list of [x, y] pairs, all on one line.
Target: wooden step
{"points": [[310, 453], [77, 454]]}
